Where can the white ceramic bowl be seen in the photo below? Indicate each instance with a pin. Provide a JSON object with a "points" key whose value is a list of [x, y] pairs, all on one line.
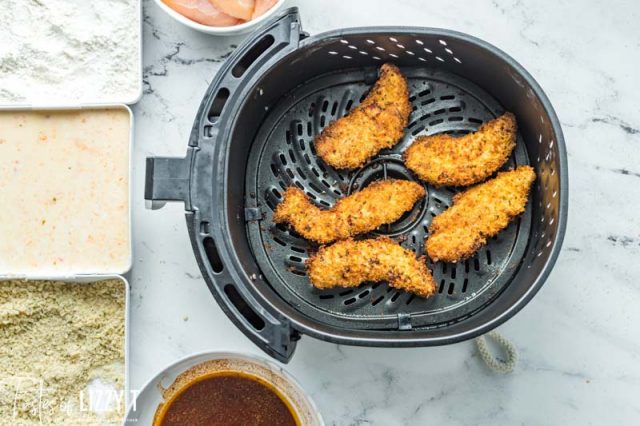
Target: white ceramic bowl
{"points": [[142, 410], [222, 31]]}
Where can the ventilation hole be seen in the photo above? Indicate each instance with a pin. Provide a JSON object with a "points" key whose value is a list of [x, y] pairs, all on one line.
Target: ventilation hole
{"points": [[453, 272], [393, 39], [420, 42], [449, 51], [350, 301], [333, 52], [295, 259], [380, 48], [274, 170], [287, 137], [298, 249], [353, 47], [465, 284], [290, 173], [476, 264], [410, 53], [211, 251], [427, 50], [371, 42], [349, 105], [362, 52], [325, 106], [377, 58], [347, 57], [309, 194], [400, 46], [315, 187], [444, 268], [298, 272], [466, 266], [395, 296], [346, 292], [455, 118], [450, 291], [474, 120], [292, 156], [457, 60], [410, 299], [441, 288], [326, 296], [455, 109], [425, 93], [439, 111], [283, 159], [301, 173], [322, 121], [279, 241], [364, 294], [343, 41], [250, 57], [378, 300], [434, 122], [312, 109], [270, 204], [439, 58], [447, 97], [422, 59], [245, 310], [488, 257], [442, 42], [334, 108], [218, 104], [393, 55], [427, 102], [309, 133], [276, 193]]}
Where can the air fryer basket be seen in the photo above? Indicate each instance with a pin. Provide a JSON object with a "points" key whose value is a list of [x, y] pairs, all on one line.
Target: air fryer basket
{"points": [[253, 137]]}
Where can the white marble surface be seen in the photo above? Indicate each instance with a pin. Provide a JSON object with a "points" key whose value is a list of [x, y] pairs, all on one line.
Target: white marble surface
{"points": [[579, 339]]}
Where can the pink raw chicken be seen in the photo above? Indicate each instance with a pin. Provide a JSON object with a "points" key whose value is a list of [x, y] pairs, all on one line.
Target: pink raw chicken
{"points": [[262, 6], [203, 12], [241, 9]]}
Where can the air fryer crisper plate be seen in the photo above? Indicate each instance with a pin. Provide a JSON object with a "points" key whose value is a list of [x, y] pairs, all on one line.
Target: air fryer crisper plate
{"points": [[253, 137], [283, 155]]}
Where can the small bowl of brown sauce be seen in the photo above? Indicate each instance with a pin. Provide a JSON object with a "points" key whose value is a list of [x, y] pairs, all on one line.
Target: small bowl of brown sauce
{"points": [[225, 389]]}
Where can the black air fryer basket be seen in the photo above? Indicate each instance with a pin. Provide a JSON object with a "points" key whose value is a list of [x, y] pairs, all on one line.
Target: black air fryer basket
{"points": [[253, 137]]}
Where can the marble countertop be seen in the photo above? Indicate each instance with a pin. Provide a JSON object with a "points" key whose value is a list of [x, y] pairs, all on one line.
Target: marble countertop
{"points": [[579, 339]]}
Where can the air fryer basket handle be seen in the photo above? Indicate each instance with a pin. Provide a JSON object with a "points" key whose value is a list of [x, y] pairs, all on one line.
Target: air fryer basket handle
{"points": [[190, 180]]}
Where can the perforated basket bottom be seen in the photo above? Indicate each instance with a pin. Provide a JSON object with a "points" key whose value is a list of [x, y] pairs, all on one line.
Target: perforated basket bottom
{"points": [[283, 155]]}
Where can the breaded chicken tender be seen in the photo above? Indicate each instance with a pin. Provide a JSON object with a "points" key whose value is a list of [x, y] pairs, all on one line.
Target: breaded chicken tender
{"points": [[377, 123], [479, 213], [349, 263], [380, 203], [444, 160]]}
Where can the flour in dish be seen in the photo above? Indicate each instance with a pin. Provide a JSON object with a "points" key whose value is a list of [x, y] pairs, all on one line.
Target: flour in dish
{"points": [[64, 51]]}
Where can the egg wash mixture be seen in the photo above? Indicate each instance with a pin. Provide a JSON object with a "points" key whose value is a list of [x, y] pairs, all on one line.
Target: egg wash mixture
{"points": [[64, 192]]}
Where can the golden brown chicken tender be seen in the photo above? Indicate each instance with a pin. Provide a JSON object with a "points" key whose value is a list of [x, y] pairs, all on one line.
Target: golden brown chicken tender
{"points": [[377, 123], [349, 263], [479, 213], [380, 203], [460, 161]]}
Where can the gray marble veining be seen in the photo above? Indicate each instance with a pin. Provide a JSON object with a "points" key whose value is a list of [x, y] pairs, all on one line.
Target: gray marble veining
{"points": [[579, 339]]}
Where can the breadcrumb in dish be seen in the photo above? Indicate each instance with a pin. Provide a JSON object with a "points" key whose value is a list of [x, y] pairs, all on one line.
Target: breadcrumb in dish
{"points": [[377, 123], [349, 263], [380, 203], [444, 160], [479, 213]]}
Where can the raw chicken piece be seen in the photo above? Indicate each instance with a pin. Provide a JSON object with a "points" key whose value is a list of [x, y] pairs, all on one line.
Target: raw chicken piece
{"points": [[262, 6], [241, 9], [203, 12]]}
